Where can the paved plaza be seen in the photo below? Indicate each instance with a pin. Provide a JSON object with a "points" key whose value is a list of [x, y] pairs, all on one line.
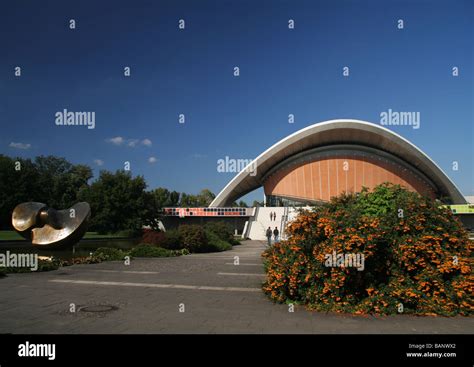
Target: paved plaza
{"points": [[150, 295]]}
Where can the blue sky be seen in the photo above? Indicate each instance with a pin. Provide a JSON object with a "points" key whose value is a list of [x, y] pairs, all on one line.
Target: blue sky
{"points": [[190, 71]]}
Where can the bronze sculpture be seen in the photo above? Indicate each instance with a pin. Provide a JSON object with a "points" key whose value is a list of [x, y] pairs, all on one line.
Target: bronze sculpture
{"points": [[49, 228]]}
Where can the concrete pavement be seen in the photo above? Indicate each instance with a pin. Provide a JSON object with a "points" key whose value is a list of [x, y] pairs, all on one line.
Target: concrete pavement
{"points": [[200, 293]]}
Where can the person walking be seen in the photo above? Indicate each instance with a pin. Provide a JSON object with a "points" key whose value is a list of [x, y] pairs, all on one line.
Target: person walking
{"points": [[275, 234], [269, 236], [274, 216], [271, 216]]}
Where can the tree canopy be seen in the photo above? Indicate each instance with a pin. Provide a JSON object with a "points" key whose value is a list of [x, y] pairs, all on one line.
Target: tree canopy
{"points": [[50, 180], [119, 201]]}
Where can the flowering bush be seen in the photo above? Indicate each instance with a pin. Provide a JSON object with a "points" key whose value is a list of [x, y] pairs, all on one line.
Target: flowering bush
{"points": [[416, 257]]}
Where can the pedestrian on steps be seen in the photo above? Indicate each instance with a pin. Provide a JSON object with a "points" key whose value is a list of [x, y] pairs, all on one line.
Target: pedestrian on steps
{"points": [[269, 236], [276, 232]]}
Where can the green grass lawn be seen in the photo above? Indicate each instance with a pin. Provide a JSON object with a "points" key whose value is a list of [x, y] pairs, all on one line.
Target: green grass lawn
{"points": [[12, 235], [92, 235]]}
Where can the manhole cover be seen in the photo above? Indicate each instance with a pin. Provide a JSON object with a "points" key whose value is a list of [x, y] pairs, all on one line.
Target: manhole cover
{"points": [[98, 308]]}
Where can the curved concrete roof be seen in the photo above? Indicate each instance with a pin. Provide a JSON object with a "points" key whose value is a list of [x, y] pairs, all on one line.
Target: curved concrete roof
{"points": [[330, 133]]}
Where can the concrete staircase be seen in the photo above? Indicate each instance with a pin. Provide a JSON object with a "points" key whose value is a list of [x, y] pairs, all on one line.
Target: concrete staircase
{"points": [[261, 221]]}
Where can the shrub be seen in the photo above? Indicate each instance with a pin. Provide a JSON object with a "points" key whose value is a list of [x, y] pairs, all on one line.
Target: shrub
{"points": [[222, 229], [216, 244], [48, 265], [234, 242], [213, 237], [151, 237], [181, 252], [144, 250], [419, 257], [172, 240], [193, 237], [108, 254], [94, 259], [43, 265]]}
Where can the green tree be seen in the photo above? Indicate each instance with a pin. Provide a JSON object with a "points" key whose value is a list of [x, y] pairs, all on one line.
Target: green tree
{"points": [[18, 183], [205, 197], [155, 201], [187, 201], [50, 180], [161, 196], [118, 202], [174, 198], [153, 210], [165, 198]]}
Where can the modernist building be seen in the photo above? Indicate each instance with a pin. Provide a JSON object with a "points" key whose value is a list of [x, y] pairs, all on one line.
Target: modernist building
{"points": [[323, 160]]}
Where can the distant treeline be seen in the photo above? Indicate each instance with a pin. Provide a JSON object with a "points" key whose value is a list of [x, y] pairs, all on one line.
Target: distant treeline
{"points": [[119, 202]]}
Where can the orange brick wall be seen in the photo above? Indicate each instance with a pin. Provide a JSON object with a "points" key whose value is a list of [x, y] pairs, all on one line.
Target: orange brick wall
{"points": [[326, 177]]}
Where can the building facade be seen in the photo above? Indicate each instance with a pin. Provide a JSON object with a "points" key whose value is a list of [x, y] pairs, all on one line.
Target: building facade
{"points": [[326, 159]]}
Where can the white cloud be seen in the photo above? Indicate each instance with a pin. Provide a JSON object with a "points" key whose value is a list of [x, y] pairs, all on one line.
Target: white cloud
{"points": [[99, 162], [132, 142], [146, 142], [118, 140], [198, 156], [152, 160], [23, 146]]}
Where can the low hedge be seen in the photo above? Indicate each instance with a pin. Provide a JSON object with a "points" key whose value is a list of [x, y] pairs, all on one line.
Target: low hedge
{"points": [[109, 254], [215, 244], [212, 237], [145, 250], [100, 255], [43, 265]]}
